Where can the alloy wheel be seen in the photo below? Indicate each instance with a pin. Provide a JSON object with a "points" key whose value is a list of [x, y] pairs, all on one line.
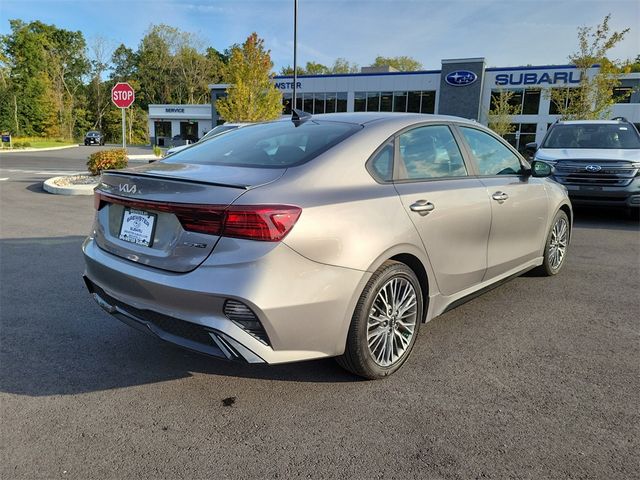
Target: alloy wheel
{"points": [[392, 319], [558, 243]]}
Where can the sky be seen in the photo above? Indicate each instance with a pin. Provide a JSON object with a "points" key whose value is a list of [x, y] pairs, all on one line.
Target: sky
{"points": [[506, 33]]}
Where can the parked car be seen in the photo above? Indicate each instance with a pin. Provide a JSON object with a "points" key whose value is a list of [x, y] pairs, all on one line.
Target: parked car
{"points": [[94, 137], [226, 127], [598, 161], [331, 235]]}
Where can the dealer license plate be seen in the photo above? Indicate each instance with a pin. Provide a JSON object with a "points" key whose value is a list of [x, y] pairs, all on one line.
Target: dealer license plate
{"points": [[138, 227]]}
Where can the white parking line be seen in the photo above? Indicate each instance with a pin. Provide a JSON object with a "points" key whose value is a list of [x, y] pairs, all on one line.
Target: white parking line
{"points": [[3, 179]]}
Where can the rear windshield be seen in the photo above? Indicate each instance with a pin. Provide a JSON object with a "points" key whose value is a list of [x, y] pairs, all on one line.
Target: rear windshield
{"points": [[269, 145], [592, 136]]}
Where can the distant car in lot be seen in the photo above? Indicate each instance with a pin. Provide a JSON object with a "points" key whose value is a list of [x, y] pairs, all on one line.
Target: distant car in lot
{"points": [[94, 137], [598, 161], [331, 235], [226, 127]]}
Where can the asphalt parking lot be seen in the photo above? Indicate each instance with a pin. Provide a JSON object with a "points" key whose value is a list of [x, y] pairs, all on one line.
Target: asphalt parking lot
{"points": [[538, 378]]}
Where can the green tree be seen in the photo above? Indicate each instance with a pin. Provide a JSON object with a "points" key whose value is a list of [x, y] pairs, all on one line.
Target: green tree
{"points": [[634, 66], [403, 63], [342, 65], [125, 64], [501, 112], [593, 97], [251, 96]]}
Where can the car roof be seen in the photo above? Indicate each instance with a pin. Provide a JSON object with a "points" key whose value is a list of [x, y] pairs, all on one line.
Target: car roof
{"points": [[363, 118], [589, 122]]}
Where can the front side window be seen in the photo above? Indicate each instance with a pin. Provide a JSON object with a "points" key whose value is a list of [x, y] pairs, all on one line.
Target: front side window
{"points": [[492, 157], [429, 152]]}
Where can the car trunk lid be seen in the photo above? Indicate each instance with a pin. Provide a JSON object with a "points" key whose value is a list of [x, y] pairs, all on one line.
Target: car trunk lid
{"points": [[145, 214]]}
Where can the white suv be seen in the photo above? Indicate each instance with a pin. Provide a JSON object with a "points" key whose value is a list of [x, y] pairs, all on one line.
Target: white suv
{"points": [[598, 161]]}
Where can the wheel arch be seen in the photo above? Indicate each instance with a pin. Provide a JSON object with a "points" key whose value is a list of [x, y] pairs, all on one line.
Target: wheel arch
{"points": [[418, 268]]}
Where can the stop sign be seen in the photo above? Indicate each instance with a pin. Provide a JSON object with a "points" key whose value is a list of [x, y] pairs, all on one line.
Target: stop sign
{"points": [[122, 95]]}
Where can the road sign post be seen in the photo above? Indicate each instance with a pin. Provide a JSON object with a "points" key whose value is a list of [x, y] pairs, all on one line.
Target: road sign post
{"points": [[122, 95]]}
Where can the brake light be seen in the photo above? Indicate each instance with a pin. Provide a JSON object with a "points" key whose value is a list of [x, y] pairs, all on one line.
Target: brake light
{"points": [[269, 223]]}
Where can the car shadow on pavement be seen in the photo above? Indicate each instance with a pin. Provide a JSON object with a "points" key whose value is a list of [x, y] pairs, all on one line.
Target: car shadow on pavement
{"points": [[610, 218], [57, 341]]}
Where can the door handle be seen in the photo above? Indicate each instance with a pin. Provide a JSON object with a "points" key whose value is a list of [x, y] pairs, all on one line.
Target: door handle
{"points": [[500, 196], [422, 207]]}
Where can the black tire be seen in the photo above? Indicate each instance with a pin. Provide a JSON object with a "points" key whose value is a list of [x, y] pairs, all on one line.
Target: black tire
{"points": [[358, 357], [548, 268]]}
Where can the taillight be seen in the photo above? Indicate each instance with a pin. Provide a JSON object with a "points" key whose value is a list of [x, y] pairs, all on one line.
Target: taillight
{"points": [[269, 223]]}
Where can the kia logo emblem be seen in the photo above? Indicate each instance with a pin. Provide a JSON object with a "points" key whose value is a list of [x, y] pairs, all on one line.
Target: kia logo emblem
{"points": [[460, 78], [593, 168], [125, 187]]}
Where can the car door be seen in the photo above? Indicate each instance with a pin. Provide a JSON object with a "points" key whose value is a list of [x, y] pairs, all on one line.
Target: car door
{"points": [[518, 202], [448, 207]]}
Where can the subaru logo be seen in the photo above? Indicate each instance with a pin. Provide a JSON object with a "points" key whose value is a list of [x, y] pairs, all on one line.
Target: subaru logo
{"points": [[127, 188], [593, 168], [460, 78]]}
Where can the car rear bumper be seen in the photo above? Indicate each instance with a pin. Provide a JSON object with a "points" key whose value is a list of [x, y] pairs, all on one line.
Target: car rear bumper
{"points": [[305, 307]]}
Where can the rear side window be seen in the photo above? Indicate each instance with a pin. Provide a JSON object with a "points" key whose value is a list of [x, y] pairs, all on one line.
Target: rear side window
{"points": [[268, 145], [492, 156], [429, 152], [381, 165]]}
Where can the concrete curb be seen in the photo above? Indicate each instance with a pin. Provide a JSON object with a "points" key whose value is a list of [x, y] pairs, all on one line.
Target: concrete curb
{"points": [[31, 150], [50, 186]]}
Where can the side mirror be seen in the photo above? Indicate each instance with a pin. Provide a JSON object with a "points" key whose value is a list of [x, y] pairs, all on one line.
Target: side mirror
{"points": [[531, 148], [540, 169]]}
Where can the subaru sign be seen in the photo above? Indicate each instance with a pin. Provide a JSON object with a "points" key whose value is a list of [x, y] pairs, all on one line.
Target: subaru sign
{"points": [[531, 78], [460, 78]]}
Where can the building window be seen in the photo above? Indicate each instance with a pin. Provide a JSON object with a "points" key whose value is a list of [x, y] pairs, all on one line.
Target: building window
{"points": [[373, 101], [622, 94], [523, 133], [525, 102], [162, 129], [341, 102], [416, 102], [307, 102], [360, 102], [318, 103], [565, 101], [399, 101], [428, 102], [386, 101], [413, 102], [330, 103], [286, 103]]}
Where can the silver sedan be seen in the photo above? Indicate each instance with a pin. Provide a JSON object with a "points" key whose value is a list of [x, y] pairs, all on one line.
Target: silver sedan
{"points": [[335, 235]]}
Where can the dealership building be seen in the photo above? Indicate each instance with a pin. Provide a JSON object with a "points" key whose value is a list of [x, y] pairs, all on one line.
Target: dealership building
{"points": [[462, 87]]}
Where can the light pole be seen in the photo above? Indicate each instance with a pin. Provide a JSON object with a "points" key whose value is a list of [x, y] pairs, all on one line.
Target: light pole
{"points": [[295, 52]]}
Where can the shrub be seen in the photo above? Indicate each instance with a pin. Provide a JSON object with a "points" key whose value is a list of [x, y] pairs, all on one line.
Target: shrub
{"points": [[157, 151], [26, 144], [107, 160]]}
